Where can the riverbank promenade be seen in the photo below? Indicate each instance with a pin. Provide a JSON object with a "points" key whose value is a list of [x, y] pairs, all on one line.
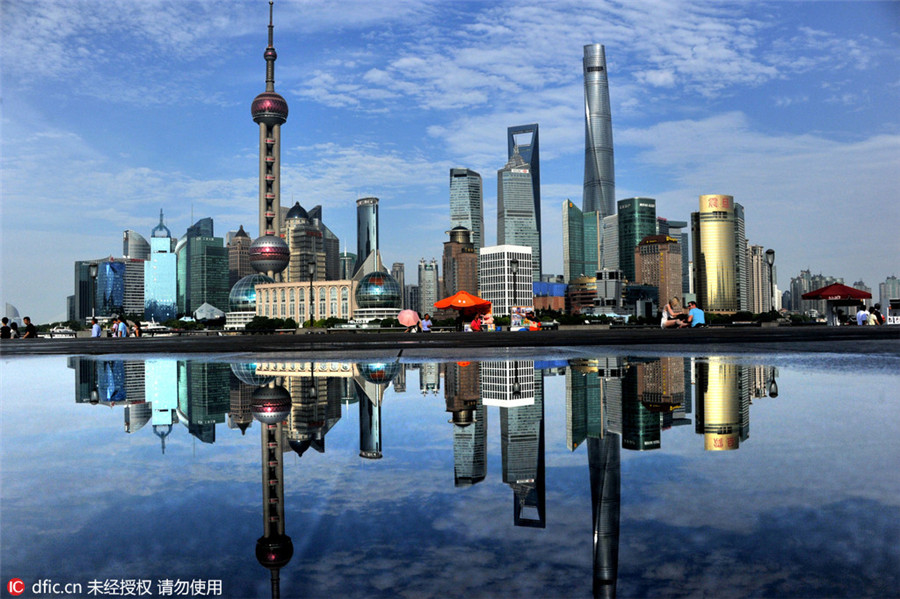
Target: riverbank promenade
{"points": [[320, 344]]}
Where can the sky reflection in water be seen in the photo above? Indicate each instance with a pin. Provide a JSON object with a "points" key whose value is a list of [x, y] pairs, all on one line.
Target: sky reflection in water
{"points": [[636, 476]]}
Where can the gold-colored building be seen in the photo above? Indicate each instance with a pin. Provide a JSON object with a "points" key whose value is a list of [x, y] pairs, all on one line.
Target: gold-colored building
{"points": [[719, 404], [291, 300], [715, 265]]}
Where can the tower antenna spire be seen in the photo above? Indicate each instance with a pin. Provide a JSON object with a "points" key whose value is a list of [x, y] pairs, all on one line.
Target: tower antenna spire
{"points": [[271, 26]]}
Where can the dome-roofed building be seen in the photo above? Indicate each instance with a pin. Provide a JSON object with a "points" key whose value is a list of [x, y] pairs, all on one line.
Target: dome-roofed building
{"points": [[378, 296], [296, 211], [242, 301], [379, 373], [243, 295], [246, 373]]}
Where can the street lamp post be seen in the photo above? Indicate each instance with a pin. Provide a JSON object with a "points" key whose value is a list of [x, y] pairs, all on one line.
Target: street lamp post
{"points": [[770, 260], [311, 267], [92, 269]]}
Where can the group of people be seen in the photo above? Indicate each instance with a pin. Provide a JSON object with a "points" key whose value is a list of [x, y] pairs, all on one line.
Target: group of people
{"points": [[10, 330], [673, 316], [118, 328], [864, 316]]}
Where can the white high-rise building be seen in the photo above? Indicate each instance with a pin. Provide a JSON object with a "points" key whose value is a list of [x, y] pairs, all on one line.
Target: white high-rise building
{"points": [[505, 277]]}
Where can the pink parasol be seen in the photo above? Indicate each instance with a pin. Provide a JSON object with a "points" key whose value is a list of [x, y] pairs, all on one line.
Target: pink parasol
{"points": [[408, 318]]}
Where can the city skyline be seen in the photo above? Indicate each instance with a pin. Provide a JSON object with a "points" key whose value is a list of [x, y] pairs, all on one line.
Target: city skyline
{"points": [[789, 108]]}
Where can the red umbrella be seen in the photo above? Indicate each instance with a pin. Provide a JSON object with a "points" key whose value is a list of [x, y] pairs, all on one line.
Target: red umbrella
{"points": [[463, 300], [408, 318], [836, 291]]}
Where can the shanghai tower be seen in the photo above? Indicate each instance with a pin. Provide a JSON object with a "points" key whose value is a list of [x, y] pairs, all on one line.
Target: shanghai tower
{"points": [[599, 173]]}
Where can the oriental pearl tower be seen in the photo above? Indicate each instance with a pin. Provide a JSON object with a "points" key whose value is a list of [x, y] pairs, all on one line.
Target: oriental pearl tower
{"points": [[269, 253]]}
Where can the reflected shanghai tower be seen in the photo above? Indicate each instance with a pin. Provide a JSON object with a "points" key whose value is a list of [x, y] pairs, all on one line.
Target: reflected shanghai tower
{"points": [[599, 174]]}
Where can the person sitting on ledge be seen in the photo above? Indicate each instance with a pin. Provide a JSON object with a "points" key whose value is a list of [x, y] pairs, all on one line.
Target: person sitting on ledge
{"points": [[696, 317], [671, 314]]}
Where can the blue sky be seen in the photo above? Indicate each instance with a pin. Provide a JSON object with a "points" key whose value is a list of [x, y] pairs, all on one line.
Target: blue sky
{"points": [[113, 110]]}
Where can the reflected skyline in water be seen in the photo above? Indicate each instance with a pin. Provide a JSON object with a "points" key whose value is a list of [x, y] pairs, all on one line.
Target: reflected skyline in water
{"points": [[611, 404], [611, 475]]}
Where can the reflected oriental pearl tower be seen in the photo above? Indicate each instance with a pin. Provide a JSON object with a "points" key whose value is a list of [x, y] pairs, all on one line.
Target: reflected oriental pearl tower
{"points": [[269, 253]]}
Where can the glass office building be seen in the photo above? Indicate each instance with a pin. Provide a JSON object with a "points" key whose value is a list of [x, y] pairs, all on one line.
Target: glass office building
{"points": [[160, 292], [516, 219], [366, 229], [637, 219], [581, 242], [110, 292], [524, 141], [466, 203]]}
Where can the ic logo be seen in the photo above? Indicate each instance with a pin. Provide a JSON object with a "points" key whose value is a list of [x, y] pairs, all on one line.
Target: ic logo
{"points": [[15, 586]]}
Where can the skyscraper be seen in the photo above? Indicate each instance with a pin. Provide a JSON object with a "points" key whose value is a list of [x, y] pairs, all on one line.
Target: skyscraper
{"points": [[573, 241], [110, 290], [460, 263], [239, 257], [637, 219], [887, 291], [466, 203], [609, 242], [366, 229], [202, 269], [657, 262], [525, 138], [135, 246], [330, 243], [305, 244], [713, 232], [428, 285], [741, 275], [160, 288], [759, 278], [582, 233], [675, 230], [398, 271], [517, 222], [599, 173], [347, 265]]}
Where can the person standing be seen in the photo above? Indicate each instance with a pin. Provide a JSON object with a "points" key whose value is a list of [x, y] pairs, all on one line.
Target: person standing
{"points": [[5, 331], [30, 329], [862, 315], [122, 328], [95, 328], [426, 323]]}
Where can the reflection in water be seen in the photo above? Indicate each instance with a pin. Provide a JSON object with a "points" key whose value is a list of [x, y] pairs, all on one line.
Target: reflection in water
{"points": [[611, 403], [462, 387], [271, 405]]}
